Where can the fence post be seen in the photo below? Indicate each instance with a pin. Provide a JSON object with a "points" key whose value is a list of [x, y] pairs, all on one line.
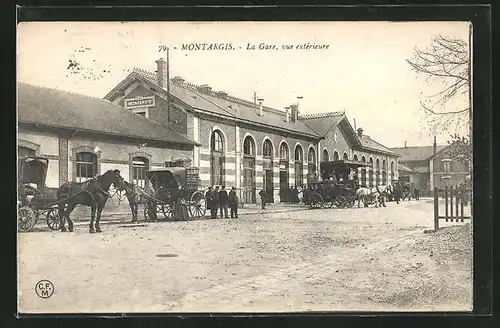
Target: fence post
{"points": [[451, 204], [457, 199], [436, 208], [446, 202], [462, 198]]}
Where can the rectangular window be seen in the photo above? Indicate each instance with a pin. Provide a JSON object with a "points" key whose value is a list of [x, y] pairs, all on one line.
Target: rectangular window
{"points": [[86, 166], [446, 165]]}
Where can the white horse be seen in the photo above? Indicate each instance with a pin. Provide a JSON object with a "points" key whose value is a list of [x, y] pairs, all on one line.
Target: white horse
{"points": [[375, 195]]}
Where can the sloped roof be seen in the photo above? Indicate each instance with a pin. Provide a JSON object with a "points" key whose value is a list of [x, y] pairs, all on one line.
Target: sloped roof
{"points": [[227, 106], [324, 122], [57, 108], [368, 142], [404, 168], [417, 153]]}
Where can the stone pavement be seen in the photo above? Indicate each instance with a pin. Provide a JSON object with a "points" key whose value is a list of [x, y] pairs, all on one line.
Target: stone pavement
{"points": [[250, 294]]}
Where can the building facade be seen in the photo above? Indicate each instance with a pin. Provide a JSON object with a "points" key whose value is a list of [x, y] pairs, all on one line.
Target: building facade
{"points": [[84, 136], [427, 167], [246, 144]]}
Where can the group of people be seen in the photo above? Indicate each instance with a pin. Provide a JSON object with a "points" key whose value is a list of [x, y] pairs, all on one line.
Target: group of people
{"points": [[220, 201], [290, 195]]}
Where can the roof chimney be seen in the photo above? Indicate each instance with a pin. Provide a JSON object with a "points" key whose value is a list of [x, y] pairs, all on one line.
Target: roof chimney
{"points": [[360, 132], [205, 88], [162, 73], [405, 143], [295, 112], [435, 146], [178, 80], [260, 100], [221, 94], [287, 119]]}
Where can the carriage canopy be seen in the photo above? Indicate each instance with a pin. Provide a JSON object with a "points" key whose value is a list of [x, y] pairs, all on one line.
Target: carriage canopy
{"points": [[171, 177], [340, 168], [33, 169]]}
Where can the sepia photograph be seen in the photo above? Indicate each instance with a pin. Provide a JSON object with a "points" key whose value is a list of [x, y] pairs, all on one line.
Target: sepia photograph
{"points": [[219, 167]]}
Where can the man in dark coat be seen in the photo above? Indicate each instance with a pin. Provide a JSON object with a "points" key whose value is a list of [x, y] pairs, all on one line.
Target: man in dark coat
{"points": [[397, 192], [223, 203], [215, 199], [263, 197], [210, 202], [233, 203]]}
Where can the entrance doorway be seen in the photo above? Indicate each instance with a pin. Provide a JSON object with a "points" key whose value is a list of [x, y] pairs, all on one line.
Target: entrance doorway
{"points": [[249, 180], [268, 184], [284, 182]]}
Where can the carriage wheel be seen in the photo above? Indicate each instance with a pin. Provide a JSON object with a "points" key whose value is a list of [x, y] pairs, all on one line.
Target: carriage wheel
{"points": [[327, 204], [167, 211], [197, 205], [26, 217], [316, 201], [53, 219], [351, 200], [147, 214], [340, 201]]}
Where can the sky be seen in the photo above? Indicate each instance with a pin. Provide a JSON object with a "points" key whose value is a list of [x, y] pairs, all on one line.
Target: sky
{"points": [[363, 71]]}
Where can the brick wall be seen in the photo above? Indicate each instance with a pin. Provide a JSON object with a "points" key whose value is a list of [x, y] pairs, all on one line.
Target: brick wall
{"points": [[63, 160]]}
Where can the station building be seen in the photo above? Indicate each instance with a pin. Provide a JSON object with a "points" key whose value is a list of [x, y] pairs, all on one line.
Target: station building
{"points": [[84, 136], [241, 143]]}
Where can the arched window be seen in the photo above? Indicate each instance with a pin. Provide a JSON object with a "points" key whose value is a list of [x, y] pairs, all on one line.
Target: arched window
{"points": [[25, 151], [86, 166], [217, 141], [355, 157], [267, 149], [384, 172], [325, 157], [217, 158], [248, 146], [299, 171], [140, 167], [392, 171], [299, 154], [370, 173], [311, 164], [377, 172], [363, 173], [284, 151], [345, 157], [248, 170], [335, 156], [311, 157]]}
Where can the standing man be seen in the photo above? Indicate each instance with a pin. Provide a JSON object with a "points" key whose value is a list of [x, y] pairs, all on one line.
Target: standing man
{"points": [[263, 198], [397, 192], [210, 202], [215, 198], [233, 203], [223, 203]]}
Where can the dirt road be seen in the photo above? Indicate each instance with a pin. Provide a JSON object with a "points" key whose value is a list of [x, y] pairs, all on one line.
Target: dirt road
{"points": [[319, 260]]}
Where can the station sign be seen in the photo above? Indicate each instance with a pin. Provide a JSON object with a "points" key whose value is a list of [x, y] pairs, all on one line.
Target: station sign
{"points": [[140, 102]]}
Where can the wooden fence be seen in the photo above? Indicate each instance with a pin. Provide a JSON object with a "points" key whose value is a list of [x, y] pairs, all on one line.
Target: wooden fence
{"points": [[455, 198]]}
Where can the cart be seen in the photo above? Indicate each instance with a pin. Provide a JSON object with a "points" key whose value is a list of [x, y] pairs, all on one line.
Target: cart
{"points": [[166, 182], [34, 197], [336, 187]]}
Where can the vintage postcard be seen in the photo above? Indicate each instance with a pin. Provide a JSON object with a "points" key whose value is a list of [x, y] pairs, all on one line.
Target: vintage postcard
{"points": [[244, 167]]}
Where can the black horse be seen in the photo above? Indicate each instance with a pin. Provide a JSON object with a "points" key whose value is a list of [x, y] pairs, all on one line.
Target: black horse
{"points": [[93, 193]]}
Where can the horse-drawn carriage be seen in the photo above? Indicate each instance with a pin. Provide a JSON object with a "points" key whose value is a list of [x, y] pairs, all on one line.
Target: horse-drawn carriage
{"points": [[34, 197], [338, 186], [172, 186]]}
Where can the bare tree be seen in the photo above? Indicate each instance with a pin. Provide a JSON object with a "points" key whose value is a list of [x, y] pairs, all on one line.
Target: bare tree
{"points": [[445, 62]]}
